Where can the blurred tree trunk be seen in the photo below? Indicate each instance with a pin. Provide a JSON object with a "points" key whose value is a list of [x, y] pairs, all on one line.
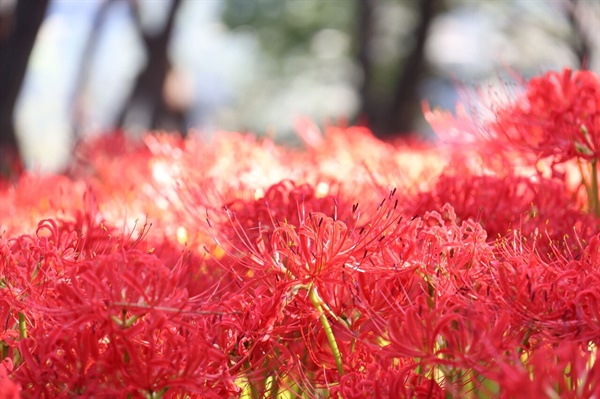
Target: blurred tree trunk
{"points": [[87, 57], [581, 41], [365, 35], [394, 116], [146, 106], [15, 49], [405, 104]]}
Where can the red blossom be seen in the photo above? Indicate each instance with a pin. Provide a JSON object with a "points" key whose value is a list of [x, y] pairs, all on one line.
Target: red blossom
{"points": [[234, 267], [558, 116], [8, 388]]}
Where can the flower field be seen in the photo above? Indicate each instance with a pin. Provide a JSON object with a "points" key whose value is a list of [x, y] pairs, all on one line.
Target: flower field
{"points": [[352, 268]]}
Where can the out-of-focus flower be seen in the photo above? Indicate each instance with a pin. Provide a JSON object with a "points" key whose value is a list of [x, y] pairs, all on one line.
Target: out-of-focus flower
{"points": [[557, 116], [8, 388]]}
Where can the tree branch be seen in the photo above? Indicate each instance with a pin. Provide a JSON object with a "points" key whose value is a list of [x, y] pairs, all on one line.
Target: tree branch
{"points": [[399, 116], [147, 92], [14, 57]]}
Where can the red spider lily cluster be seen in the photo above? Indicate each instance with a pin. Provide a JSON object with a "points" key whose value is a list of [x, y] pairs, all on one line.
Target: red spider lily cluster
{"points": [[235, 267]]}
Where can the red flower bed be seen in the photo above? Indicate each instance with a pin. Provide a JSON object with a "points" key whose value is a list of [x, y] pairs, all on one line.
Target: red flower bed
{"points": [[174, 268]]}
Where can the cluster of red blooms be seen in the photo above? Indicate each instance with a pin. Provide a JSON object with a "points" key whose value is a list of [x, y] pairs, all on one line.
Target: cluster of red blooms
{"points": [[234, 267]]}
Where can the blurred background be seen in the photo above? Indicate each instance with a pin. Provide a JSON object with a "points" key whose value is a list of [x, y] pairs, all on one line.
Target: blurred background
{"points": [[74, 68]]}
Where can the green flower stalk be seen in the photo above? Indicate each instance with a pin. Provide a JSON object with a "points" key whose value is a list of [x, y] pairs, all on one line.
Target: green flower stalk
{"points": [[591, 186], [317, 303], [22, 325], [594, 197]]}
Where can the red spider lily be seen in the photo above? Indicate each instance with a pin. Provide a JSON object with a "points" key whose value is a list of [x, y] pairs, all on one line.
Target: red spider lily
{"points": [[559, 116], [111, 159], [33, 197], [462, 346], [8, 388], [504, 203], [377, 379], [271, 272], [554, 298], [414, 385], [556, 120], [311, 266], [284, 202], [565, 370], [33, 266], [62, 362], [121, 297]]}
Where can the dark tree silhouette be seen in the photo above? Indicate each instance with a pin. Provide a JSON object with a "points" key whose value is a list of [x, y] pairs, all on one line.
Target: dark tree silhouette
{"points": [[398, 118], [582, 32], [393, 115], [86, 63], [364, 37], [147, 94], [14, 56]]}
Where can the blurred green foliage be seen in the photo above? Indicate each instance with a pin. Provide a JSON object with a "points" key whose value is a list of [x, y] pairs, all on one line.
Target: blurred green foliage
{"points": [[287, 26]]}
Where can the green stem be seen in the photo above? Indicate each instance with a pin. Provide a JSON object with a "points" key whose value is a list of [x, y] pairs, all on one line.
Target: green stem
{"points": [[3, 350], [22, 326], [272, 386], [253, 390], [317, 303], [595, 199], [524, 341], [124, 322], [156, 394]]}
